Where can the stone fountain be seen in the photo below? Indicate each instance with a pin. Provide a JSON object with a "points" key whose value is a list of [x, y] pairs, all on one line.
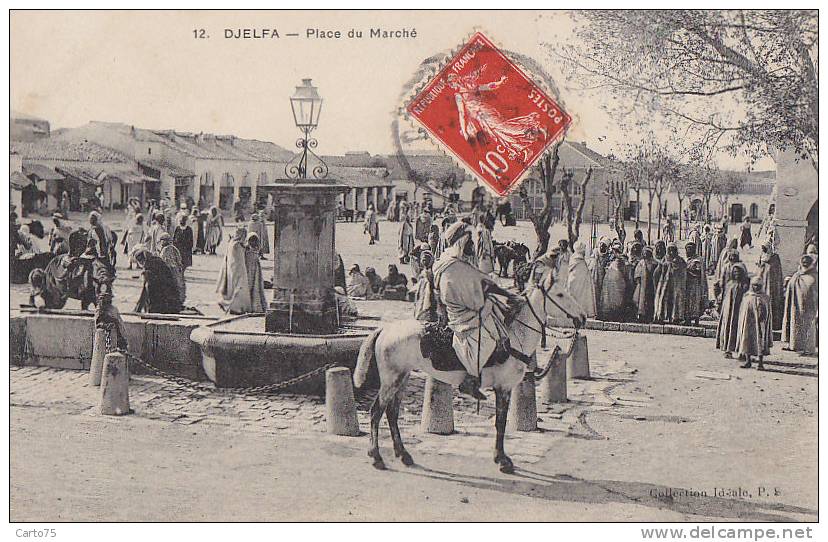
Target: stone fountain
{"points": [[302, 329]]}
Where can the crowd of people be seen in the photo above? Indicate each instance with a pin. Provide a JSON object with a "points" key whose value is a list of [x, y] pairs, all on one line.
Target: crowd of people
{"points": [[661, 282]]}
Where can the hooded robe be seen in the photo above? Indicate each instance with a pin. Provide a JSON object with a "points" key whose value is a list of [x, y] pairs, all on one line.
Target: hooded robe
{"points": [[255, 279], [670, 290], [183, 241], [734, 289], [696, 293], [406, 239], [485, 249], [644, 280], [160, 292], [770, 269], [801, 306], [172, 258], [232, 282], [613, 291], [754, 337], [579, 281]]}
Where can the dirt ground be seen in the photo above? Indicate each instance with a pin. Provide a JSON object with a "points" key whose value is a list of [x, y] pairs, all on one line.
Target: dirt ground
{"points": [[651, 447]]}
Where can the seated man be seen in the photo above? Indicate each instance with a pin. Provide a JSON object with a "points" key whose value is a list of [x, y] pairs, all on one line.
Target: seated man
{"points": [[394, 285], [475, 316], [160, 290], [374, 282], [357, 283]]}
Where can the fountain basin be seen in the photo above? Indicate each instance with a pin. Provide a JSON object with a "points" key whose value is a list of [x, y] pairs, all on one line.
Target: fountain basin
{"points": [[234, 355]]}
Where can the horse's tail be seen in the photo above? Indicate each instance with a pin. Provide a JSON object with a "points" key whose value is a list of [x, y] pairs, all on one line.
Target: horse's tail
{"points": [[367, 354]]}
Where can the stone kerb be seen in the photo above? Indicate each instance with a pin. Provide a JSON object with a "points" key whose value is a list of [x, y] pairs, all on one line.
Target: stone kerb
{"points": [[705, 330]]}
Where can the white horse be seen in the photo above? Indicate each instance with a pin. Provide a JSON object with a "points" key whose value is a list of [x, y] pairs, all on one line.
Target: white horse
{"points": [[396, 349]]}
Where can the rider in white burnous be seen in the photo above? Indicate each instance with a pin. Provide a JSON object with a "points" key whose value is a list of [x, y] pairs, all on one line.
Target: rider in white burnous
{"points": [[471, 304]]}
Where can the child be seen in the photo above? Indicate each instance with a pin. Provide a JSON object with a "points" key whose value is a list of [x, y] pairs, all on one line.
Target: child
{"points": [[754, 337]]}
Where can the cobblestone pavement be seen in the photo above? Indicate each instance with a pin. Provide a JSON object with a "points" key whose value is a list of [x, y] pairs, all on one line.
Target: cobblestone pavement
{"points": [[155, 398]]}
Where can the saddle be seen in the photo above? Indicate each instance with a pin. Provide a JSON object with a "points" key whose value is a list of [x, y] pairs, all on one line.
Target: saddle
{"points": [[436, 344]]}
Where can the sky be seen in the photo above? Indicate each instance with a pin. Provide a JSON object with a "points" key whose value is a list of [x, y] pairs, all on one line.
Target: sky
{"points": [[149, 69]]}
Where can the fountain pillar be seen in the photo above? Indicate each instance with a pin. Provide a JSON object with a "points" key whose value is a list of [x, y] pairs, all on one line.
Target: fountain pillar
{"points": [[304, 257]]}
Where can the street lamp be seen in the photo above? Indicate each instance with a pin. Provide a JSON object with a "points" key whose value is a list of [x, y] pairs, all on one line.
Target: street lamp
{"points": [[306, 105]]}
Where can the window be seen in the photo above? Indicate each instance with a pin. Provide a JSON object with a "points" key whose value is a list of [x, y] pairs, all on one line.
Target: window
{"points": [[149, 150]]}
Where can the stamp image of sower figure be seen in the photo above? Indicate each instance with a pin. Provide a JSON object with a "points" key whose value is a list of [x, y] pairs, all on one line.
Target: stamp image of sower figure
{"points": [[484, 109]]}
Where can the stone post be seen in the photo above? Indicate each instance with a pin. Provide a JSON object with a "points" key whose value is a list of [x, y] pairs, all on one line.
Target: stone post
{"points": [[115, 385], [340, 406], [438, 411], [523, 410]]}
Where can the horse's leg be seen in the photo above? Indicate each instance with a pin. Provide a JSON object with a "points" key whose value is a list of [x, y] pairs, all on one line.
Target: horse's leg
{"points": [[393, 413], [502, 406], [377, 409]]}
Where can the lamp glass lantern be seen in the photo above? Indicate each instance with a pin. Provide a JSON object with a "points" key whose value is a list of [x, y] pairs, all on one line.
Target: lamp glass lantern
{"points": [[306, 105]]}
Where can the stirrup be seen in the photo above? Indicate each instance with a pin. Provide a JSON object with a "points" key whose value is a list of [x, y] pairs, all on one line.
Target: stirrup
{"points": [[471, 387]]}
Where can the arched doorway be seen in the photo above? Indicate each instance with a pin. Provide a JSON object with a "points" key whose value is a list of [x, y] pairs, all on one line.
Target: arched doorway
{"points": [[696, 209], [737, 213], [812, 228]]}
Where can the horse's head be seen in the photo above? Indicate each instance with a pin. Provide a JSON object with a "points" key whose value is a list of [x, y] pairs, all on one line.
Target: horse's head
{"points": [[556, 299]]}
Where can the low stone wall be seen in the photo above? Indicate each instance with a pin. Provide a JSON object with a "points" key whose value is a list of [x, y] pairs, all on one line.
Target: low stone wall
{"points": [[707, 329], [65, 341]]}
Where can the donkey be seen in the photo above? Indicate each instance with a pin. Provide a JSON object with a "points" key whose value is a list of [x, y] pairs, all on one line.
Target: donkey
{"points": [[395, 348]]}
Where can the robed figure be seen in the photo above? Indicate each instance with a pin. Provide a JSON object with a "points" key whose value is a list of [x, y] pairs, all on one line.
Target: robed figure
{"points": [[671, 286], [696, 294], [644, 281], [597, 268], [406, 239], [773, 284], [485, 247], [754, 337], [579, 281], [159, 293], [232, 283], [801, 306], [255, 278], [734, 289], [614, 291]]}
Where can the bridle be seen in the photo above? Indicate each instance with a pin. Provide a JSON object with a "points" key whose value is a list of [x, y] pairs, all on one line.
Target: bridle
{"points": [[541, 321]]}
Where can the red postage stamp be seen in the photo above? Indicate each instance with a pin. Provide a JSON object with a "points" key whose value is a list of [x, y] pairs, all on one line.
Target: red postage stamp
{"points": [[487, 112]]}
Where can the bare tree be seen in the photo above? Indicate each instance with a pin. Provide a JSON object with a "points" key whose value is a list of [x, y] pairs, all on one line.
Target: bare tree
{"points": [[692, 66], [681, 184], [544, 219], [634, 169], [574, 216], [617, 188], [663, 174]]}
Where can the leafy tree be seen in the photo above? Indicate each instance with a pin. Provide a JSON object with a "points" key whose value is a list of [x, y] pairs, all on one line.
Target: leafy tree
{"points": [[735, 80]]}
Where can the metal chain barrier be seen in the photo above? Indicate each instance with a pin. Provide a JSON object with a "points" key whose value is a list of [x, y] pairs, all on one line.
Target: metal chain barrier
{"points": [[183, 382]]}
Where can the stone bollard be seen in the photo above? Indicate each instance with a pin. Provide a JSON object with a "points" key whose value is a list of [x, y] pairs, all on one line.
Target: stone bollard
{"points": [[115, 385], [340, 406], [523, 409], [98, 353], [577, 365], [553, 385], [438, 411]]}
